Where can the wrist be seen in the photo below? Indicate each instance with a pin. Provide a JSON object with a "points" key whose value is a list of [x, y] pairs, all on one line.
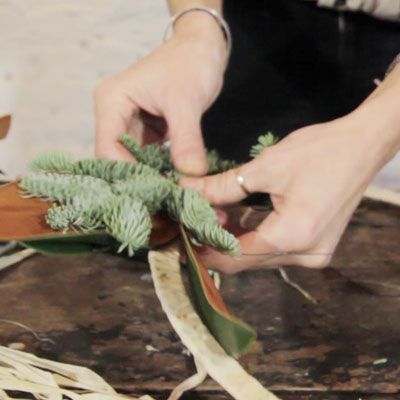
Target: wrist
{"points": [[376, 128], [204, 27]]}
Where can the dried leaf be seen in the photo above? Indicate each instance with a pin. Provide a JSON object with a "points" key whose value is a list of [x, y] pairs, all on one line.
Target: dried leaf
{"points": [[8, 261], [235, 336], [20, 217], [23, 219], [225, 370], [5, 123]]}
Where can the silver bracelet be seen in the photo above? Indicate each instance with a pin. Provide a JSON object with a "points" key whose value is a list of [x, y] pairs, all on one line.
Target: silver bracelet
{"points": [[393, 65], [214, 13]]}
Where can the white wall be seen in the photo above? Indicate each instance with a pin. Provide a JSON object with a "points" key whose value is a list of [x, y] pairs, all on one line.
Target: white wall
{"points": [[52, 55]]}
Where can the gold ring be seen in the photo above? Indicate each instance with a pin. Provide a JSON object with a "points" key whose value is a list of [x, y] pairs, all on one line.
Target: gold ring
{"points": [[241, 182]]}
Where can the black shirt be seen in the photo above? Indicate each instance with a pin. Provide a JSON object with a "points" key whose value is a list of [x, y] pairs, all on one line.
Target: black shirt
{"points": [[292, 65]]}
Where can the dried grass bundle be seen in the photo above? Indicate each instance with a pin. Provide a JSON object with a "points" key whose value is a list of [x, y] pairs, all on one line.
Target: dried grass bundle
{"points": [[49, 380], [207, 352]]}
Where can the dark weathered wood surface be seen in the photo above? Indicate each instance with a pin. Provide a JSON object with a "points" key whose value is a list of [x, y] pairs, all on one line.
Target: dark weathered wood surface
{"points": [[101, 311]]}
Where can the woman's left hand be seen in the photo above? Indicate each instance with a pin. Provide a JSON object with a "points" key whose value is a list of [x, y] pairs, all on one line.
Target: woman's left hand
{"points": [[316, 177]]}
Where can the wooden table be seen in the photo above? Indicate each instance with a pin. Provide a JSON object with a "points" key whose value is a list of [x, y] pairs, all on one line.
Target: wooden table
{"points": [[101, 311]]}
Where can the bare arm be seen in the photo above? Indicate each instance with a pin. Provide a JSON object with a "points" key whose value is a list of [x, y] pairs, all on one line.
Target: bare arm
{"points": [[175, 84], [316, 177]]}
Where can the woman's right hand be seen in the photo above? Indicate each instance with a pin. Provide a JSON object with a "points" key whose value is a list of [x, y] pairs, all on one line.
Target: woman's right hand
{"points": [[173, 86]]}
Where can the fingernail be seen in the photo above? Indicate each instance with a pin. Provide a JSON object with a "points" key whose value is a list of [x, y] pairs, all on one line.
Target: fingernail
{"points": [[194, 183]]}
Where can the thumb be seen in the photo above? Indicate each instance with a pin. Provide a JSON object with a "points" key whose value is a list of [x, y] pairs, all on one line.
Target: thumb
{"points": [[187, 147]]}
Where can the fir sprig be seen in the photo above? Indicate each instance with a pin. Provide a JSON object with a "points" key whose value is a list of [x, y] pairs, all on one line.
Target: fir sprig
{"points": [[120, 196], [216, 236], [55, 161], [263, 142], [128, 220], [154, 155], [63, 188], [152, 190], [216, 164], [159, 157]]}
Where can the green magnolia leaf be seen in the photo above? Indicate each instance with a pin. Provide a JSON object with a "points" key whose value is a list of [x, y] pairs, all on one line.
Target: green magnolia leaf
{"points": [[71, 243], [234, 335]]}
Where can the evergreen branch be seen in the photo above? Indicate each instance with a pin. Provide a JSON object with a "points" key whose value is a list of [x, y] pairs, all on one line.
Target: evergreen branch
{"points": [[214, 235], [112, 171], [120, 196], [196, 209], [152, 190], [263, 142], [52, 162], [189, 207], [216, 164], [95, 167], [61, 217], [128, 221], [154, 155], [65, 216], [174, 175], [123, 170], [192, 210], [64, 187], [157, 156], [132, 145]]}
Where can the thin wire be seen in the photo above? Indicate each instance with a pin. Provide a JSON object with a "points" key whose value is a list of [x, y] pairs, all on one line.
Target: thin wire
{"points": [[285, 253]]}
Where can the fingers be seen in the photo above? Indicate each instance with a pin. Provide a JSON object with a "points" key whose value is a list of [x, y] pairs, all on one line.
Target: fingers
{"points": [[187, 147], [233, 185], [279, 240], [113, 113]]}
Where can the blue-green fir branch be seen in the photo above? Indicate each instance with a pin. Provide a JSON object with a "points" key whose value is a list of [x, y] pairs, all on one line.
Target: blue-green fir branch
{"points": [[154, 155], [152, 190], [128, 221], [216, 164], [104, 169], [120, 196], [63, 187], [214, 235], [55, 161], [159, 157], [263, 142]]}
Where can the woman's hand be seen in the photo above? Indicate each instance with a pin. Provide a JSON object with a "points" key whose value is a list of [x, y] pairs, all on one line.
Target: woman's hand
{"points": [[171, 88], [316, 177]]}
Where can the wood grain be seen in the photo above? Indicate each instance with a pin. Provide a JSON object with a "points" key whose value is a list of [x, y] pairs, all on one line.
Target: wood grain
{"points": [[101, 311]]}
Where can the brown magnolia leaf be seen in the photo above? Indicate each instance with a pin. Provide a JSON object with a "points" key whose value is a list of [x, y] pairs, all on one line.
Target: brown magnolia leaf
{"points": [[234, 335], [20, 217], [164, 230], [24, 219], [5, 123], [212, 293]]}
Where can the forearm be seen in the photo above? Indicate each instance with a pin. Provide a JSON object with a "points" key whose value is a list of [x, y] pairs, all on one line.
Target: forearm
{"points": [[382, 111]]}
